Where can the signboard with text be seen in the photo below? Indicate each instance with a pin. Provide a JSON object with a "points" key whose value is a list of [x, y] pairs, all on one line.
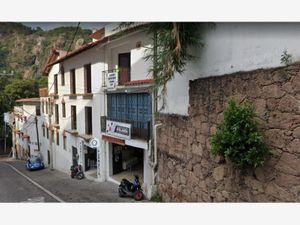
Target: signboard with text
{"points": [[112, 81], [122, 130]]}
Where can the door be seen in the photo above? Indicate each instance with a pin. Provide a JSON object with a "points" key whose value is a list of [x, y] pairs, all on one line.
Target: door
{"points": [[48, 156], [124, 67], [117, 159], [74, 156]]}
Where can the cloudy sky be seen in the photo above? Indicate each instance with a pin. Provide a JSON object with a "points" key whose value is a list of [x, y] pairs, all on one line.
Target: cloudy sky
{"points": [[51, 25]]}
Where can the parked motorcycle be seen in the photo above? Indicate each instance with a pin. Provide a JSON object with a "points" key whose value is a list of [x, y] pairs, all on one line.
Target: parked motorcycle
{"points": [[128, 189], [77, 172]]}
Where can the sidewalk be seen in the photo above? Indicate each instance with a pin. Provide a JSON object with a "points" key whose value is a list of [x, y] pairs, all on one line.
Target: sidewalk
{"points": [[72, 190]]}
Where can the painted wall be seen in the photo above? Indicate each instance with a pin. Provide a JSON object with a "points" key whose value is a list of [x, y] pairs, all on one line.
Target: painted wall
{"points": [[28, 127], [233, 47], [139, 68]]}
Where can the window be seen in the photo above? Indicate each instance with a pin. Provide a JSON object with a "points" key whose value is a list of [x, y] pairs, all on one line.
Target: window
{"points": [[43, 110], [55, 84], [63, 109], [52, 132], [87, 79], [88, 120], [47, 133], [38, 110], [57, 138], [47, 108], [72, 81], [73, 117], [56, 114], [65, 142], [62, 76]]}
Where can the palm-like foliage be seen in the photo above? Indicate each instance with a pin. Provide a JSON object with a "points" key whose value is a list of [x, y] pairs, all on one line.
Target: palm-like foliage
{"points": [[170, 51]]}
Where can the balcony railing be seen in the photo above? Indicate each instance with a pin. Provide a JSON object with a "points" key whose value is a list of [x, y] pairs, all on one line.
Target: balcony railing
{"points": [[122, 76], [139, 129]]}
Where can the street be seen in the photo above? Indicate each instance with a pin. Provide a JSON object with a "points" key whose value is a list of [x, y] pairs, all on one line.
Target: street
{"points": [[16, 185]]}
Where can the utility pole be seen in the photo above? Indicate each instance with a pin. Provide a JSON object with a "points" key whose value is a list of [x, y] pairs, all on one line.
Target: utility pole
{"points": [[50, 135], [5, 136], [37, 134]]}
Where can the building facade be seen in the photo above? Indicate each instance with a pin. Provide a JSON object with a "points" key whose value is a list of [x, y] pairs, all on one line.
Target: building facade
{"points": [[27, 120], [93, 90]]}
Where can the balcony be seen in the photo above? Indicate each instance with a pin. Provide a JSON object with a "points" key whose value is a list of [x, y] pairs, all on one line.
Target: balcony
{"points": [[116, 77], [139, 129], [43, 92]]}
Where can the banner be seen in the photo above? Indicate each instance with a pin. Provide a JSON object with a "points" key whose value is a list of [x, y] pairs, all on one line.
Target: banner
{"points": [[122, 130]]}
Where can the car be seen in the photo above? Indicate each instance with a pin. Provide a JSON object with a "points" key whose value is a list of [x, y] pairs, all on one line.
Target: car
{"points": [[34, 163]]}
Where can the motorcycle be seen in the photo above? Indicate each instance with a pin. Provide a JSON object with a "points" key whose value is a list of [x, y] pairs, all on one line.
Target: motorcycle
{"points": [[77, 172], [128, 189]]}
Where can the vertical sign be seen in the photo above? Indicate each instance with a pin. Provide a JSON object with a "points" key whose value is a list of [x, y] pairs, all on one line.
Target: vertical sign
{"points": [[98, 162]]}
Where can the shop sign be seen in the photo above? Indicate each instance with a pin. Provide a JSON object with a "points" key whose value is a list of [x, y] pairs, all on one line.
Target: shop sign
{"points": [[112, 81], [122, 130], [94, 143], [98, 162]]}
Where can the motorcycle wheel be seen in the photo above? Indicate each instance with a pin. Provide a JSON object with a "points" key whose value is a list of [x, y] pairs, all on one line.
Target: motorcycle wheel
{"points": [[79, 176], [138, 195], [121, 194]]}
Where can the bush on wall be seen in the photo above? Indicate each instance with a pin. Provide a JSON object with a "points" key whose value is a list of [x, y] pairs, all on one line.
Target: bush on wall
{"points": [[238, 139]]}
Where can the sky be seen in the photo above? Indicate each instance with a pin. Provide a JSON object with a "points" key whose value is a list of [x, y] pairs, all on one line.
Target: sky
{"points": [[51, 25]]}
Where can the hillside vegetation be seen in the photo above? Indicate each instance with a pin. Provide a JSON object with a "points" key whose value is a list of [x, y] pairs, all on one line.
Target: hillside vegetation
{"points": [[25, 50]]}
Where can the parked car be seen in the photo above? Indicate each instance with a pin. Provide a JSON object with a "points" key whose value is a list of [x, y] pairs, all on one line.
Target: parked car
{"points": [[34, 163]]}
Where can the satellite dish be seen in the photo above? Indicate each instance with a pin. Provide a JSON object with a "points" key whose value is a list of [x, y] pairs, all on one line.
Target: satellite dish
{"points": [[94, 143]]}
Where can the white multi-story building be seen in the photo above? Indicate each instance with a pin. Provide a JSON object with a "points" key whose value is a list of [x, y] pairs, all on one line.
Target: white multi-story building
{"points": [[27, 119], [103, 91]]}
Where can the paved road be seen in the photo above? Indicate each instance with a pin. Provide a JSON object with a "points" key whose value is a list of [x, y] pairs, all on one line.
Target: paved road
{"points": [[15, 188]]}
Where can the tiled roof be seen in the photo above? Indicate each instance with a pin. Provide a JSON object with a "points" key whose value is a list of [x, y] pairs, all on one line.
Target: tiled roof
{"points": [[29, 100], [139, 82], [55, 53]]}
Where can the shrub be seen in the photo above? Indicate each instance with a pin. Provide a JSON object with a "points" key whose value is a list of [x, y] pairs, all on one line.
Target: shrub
{"points": [[237, 138]]}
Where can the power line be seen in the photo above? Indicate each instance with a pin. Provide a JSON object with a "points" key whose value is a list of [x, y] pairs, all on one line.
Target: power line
{"points": [[67, 51]]}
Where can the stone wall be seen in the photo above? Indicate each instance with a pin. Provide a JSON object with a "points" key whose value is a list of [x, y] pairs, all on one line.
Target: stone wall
{"points": [[188, 172]]}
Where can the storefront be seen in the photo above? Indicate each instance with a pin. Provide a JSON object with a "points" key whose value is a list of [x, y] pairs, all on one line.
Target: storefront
{"points": [[90, 158], [126, 162]]}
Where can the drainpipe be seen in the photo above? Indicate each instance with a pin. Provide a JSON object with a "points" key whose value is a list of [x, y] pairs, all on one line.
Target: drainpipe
{"points": [[155, 143]]}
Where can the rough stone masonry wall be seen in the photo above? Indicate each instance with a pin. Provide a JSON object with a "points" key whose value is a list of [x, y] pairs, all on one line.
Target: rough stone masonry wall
{"points": [[188, 172]]}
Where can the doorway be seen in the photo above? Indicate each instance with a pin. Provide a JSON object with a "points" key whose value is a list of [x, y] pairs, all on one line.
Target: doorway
{"points": [[127, 161], [74, 156], [124, 67], [90, 158]]}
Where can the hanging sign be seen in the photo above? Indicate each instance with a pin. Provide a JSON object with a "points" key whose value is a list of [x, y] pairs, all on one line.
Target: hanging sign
{"points": [[112, 81], [94, 143], [118, 129]]}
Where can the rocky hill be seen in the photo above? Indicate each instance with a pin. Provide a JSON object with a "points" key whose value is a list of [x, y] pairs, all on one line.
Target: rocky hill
{"points": [[25, 50]]}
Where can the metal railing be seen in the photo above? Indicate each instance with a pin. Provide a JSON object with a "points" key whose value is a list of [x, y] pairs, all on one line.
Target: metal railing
{"points": [[139, 129]]}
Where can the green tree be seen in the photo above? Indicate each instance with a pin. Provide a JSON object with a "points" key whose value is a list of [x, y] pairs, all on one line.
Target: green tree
{"points": [[17, 89], [238, 138], [170, 53]]}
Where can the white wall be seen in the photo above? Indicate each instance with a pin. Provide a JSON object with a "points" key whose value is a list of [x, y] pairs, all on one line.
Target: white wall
{"points": [[233, 47], [127, 44]]}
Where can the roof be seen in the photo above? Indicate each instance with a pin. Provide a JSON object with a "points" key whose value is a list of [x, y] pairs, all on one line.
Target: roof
{"points": [[29, 100], [55, 53], [139, 82], [101, 41], [99, 34]]}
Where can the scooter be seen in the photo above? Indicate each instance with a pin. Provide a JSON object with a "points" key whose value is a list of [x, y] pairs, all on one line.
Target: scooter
{"points": [[76, 172], [128, 189]]}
